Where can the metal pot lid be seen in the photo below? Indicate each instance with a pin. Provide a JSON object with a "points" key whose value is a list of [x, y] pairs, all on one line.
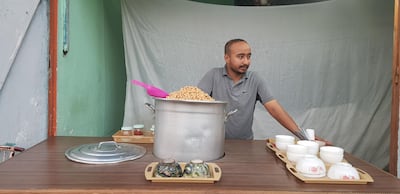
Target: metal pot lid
{"points": [[106, 152]]}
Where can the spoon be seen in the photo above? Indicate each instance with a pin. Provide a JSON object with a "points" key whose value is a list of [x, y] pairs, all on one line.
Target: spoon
{"points": [[151, 90]]}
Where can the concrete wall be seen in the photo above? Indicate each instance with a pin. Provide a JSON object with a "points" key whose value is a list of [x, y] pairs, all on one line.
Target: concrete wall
{"points": [[23, 71]]}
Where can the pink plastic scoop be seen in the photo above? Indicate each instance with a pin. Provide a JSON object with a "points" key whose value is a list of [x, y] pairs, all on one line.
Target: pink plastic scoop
{"points": [[151, 90]]}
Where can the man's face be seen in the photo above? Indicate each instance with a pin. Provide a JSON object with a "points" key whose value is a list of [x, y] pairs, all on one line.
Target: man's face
{"points": [[238, 57]]}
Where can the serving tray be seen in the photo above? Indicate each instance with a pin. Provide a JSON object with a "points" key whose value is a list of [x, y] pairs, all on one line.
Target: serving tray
{"points": [[364, 176], [145, 138], [215, 172]]}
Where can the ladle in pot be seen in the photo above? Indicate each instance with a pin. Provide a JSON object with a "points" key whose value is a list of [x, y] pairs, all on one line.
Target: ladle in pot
{"points": [[151, 90]]}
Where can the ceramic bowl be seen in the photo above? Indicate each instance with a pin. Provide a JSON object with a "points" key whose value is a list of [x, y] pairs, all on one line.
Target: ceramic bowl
{"points": [[343, 171], [312, 146], [196, 169], [296, 148], [168, 168], [331, 154], [282, 146], [295, 152], [282, 141], [311, 166], [294, 157], [332, 150], [331, 158]]}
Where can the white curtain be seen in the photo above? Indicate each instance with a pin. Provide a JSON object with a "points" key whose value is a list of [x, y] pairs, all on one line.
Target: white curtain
{"points": [[328, 63]]}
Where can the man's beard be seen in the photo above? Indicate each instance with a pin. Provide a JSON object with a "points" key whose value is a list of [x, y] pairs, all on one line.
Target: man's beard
{"points": [[242, 69]]}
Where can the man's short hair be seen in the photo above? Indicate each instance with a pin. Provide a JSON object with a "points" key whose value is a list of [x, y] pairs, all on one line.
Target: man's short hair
{"points": [[230, 42]]}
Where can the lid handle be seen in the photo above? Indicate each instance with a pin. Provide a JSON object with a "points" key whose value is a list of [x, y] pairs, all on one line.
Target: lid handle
{"points": [[108, 142]]}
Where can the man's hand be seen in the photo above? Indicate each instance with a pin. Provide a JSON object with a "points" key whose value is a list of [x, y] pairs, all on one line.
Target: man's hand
{"points": [[328, 143]]}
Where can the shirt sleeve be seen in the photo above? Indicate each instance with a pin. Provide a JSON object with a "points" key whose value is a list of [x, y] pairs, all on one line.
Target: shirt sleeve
{"points": [[263, 92], [206, 83]]}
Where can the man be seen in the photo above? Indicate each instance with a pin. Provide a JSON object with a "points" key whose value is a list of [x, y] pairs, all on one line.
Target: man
{"points": [[242, 89]]}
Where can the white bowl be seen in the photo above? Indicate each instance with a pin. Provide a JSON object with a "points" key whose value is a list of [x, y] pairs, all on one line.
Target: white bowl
{"points": [[284, 139], [295, 148], [331, 158], [343, 171], [332, 150], [312, 146], [294, 152], [320, 143], [311, 166], [294, 157], [281, 141], [282, 146], [331, 154]]}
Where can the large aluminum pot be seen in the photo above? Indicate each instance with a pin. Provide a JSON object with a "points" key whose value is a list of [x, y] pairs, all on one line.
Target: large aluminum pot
{"points": [[187, 130]]}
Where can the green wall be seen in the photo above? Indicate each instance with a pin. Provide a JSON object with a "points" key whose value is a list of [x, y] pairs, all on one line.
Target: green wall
{"points": [[91, 76]]}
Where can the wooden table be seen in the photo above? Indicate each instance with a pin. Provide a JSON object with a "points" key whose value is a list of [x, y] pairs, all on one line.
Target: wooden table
{"points": [[248, 167]]}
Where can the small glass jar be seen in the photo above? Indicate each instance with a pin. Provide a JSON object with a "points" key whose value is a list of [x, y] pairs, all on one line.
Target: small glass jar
{"points": [[127, 130], [138, 129]]}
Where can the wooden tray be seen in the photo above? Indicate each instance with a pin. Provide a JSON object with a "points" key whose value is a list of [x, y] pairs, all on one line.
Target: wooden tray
{"points": [[364, 176], [215, 172], [145, 138]]}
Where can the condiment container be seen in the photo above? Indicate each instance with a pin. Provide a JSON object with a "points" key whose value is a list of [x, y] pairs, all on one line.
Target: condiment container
{"points": [[138, 129], [127, 130]]}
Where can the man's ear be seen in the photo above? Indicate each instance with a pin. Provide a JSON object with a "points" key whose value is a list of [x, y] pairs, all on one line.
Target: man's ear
{"points": [[226, 57]]}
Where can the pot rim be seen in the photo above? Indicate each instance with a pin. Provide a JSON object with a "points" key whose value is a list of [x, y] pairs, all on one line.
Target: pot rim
{"points": [[192, 101]]}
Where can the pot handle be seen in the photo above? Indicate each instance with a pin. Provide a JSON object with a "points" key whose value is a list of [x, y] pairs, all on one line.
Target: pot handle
{"points": [[230, 113], [150, 106]]}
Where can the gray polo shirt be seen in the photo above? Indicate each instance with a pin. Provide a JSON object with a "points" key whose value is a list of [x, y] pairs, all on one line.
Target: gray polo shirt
{"points": [[241, 96]]}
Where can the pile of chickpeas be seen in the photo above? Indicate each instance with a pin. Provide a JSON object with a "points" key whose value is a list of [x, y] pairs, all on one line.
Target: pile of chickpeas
{"points": [[190, 93]]}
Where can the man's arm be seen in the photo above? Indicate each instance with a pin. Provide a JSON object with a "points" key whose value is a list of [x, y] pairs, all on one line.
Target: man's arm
{"points": [[280, 115], [277, 111]]}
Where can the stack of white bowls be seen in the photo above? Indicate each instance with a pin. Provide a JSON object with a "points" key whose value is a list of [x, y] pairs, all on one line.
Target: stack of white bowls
{"points": [[331, 154], [312, 146], [300, 149], [295, 152], [282, 141]]}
